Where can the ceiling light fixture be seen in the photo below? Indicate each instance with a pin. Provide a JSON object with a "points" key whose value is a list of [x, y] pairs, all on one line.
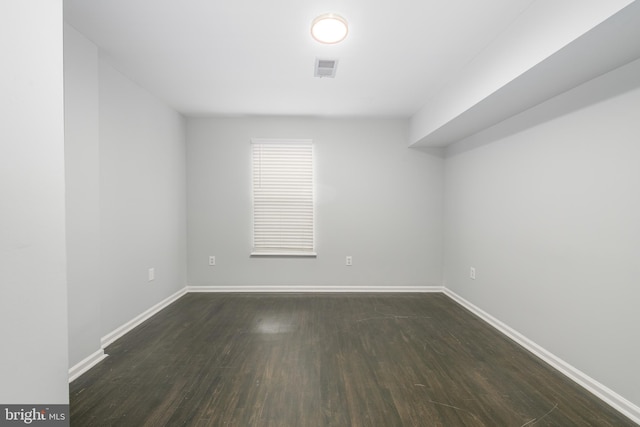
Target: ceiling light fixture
{"points": [[329, 28]]}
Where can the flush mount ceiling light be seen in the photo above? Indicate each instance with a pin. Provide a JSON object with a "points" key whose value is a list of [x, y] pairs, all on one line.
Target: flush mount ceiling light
{"points": [[329, 28]]}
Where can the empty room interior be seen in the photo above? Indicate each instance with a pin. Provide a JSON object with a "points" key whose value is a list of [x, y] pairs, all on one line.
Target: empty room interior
{"points": [[468, 247]]}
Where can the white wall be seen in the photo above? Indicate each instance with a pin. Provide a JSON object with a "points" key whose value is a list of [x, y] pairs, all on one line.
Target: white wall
{"points": [[33, 306], [83, 193], [546, 207], [376, 201], [142, 199]]}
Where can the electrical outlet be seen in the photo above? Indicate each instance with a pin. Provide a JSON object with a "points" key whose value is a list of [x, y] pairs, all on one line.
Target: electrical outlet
{"points": [[212, 260], [472, 273], [349, 260], [152, 274]]}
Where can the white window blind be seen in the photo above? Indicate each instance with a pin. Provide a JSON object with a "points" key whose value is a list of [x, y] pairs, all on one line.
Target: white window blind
{"points": [[283, 204]]}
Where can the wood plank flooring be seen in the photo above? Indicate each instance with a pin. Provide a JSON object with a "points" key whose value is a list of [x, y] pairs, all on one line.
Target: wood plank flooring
{"points": [[326, 360]]}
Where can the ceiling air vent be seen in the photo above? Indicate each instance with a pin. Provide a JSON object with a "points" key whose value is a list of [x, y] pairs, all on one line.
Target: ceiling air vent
{"points": [[326, 67]]}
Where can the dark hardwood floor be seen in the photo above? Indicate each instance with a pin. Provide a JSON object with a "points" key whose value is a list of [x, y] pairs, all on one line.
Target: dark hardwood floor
{"points": [[326, 360]]}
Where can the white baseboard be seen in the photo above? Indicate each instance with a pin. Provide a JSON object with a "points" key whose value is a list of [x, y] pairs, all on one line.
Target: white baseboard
{"points": [[86, 364], [127, 327], [605, 394], [319, 289]]}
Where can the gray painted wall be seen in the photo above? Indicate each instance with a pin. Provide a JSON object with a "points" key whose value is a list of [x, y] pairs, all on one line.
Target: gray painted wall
{"points": [[126, 197], [377, 201], [142, 199], [33, 306], [546, 207], [83, 196]]}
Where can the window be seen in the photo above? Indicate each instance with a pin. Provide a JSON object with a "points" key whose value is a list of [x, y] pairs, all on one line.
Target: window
{"points": [[283, 204]]}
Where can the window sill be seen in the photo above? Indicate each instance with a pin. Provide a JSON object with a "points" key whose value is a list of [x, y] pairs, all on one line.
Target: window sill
{"points": [[284, 254]]}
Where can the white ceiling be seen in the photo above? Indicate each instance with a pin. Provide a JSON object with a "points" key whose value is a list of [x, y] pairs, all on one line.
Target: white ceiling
{"points": [[453, 67], [239, 57], [527, 67]]}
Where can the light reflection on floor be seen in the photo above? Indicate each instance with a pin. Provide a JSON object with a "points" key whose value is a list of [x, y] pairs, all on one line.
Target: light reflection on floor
{"points": [[272, 325]]}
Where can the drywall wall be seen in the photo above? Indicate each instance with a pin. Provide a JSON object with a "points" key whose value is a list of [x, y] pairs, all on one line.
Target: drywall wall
{"points": [[83, 193], [142, 199], [376, 200], [545, 206], [33, 306], [541, 31]]}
